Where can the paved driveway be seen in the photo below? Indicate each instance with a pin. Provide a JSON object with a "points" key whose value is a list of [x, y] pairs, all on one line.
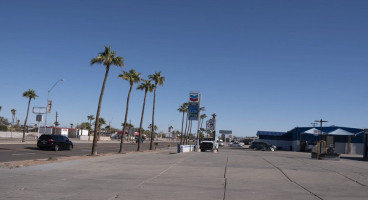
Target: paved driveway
{"points": [[229, 174]]}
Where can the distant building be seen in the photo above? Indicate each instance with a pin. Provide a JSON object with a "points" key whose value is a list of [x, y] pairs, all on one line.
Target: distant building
{"points": [[344, 140]]}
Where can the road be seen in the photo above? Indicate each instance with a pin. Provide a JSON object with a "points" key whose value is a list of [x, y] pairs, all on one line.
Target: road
{"points": [[161, 175], [29, 151]]}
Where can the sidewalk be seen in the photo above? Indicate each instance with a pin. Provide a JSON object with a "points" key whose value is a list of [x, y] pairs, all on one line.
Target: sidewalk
{"points": [[229, 174]]}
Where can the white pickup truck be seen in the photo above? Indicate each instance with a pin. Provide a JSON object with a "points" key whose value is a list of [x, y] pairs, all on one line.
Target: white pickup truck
{"points": [[209, 144]]}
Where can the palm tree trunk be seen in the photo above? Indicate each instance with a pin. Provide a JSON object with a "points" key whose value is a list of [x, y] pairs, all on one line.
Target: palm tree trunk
{"points": [[140, 125], [125, 120], [153, 117], [182, 125], [94, 145], [186, 130], [25, 122]]}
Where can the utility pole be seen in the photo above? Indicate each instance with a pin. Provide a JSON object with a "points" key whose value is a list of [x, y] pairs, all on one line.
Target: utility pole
{"points": [[320, 121], [56, 117]]}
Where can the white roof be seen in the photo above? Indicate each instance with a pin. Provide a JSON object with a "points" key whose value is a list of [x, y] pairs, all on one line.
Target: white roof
{"points": [[340, 131], [314, 131]]}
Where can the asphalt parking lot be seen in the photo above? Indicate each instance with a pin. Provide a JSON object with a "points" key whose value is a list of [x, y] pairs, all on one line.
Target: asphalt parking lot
{"points": [[232, 173]]}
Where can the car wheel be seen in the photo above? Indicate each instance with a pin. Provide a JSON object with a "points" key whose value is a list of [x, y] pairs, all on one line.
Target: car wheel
{"points": [[217, 150], [70, 147], [40, 148], [56, 147]]}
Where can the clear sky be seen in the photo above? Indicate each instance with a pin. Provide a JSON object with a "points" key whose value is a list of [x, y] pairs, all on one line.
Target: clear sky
{"points": [[259, 65]]}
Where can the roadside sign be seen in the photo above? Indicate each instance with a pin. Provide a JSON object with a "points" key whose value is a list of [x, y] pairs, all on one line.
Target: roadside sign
{"points": [[210, 125], [225, 132], [39, 118], [194, 97], [193, 110], [49, 103]]}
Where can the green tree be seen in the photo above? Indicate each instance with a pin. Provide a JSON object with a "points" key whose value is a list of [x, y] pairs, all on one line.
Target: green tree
{"points": [[133, 77], [147, 87], [84, 125], [30, 94], [184, 109], [13, 111], [158, 80], [152, 136], [107, 58]]}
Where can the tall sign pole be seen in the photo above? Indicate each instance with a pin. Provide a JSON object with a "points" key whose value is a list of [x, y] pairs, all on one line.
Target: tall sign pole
{"points": [[194, 112]]}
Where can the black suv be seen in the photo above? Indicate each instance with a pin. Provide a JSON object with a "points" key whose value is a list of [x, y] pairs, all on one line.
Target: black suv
{"points": [[262, 146], [54, 142]]}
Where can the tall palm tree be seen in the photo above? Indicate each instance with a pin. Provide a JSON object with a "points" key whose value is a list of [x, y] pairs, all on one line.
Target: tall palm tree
{"points": [[203, 116], [30, 94], [0, 108], [133, 77], [158, 80], [107, 58], [13, 111], [147, 87], [183, 108], [71, 125]]}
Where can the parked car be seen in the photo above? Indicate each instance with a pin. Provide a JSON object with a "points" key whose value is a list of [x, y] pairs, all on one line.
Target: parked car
{"points": [[264, 146], [220, 143], [54, 142], [236, 144]]}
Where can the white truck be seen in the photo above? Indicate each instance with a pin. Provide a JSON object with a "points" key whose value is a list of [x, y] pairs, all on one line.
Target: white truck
{"points": [[209, 144]]}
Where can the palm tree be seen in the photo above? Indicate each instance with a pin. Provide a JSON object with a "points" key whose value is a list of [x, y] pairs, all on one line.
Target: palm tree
{"points": [[159, 80], [90, 118], [56, 123], [154, 130], [203, 116], [107, 58], [101, 121], [147, 87], [71, 125], [133, 77], [30, 94], [0, 108], [183, 108], [13, 111]]}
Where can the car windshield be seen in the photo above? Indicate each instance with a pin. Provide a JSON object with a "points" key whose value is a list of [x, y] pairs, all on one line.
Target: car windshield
{"points": [[207, 139]]}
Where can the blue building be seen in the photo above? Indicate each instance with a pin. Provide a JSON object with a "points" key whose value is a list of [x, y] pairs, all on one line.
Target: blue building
{"points": [[343, 139]]}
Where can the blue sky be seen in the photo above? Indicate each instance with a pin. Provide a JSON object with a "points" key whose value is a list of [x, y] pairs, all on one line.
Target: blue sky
{"points": [[259, 65]]}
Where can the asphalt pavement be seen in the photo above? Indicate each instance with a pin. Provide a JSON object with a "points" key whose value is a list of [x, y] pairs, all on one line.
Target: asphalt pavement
{"points": [[16, 151], [232, 173]]}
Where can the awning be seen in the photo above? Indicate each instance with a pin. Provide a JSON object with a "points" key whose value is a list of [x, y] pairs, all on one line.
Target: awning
{"points": [[314, 131], [340, 131]]}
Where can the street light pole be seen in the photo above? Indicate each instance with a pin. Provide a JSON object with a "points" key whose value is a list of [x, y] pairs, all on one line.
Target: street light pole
{"points": [[47, 103]]}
